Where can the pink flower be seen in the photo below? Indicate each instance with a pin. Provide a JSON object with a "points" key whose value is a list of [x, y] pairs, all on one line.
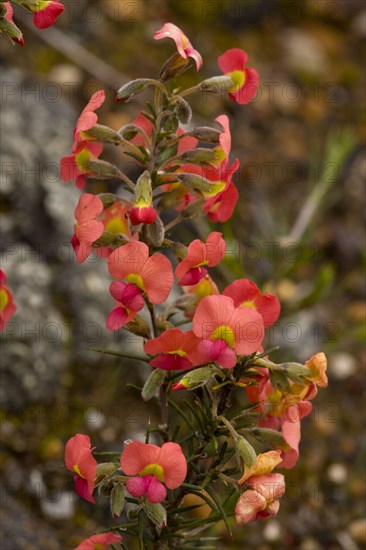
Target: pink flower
{"points": [[7, 306], [225, 136], [46, 12], [220, 176], [88, 229], [150, 277], [221, 207], [75, 166], [246, 293], [233, 64], [184, 46], [190, 270], [156, 468], [261, 500], [88, 119], [226, 331], [79, 459], [318, 366], [9, 17], [174, 350], [283, 411], [99, 542], [115, 221], [143, 212]]}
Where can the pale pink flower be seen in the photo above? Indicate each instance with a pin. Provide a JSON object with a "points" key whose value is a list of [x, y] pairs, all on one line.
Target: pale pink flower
{"points": [[184, 46], [154, 467]]}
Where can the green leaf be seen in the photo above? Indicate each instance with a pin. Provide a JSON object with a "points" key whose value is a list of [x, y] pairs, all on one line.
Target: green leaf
{"points": [[140, 529], [145, 358], [216, 500]]}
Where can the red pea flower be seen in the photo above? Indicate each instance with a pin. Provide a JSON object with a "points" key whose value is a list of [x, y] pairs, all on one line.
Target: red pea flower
{"points": [[114, 219], [155, 467], [174, 350], [151, 276], [246, 80], [190, 270], [221, 207], [87, 229], [226, 331], [46, 12], [99, 542], [88, 118], [261, 500], [79, 459], [75, 166], [184, 46], [143, 212], [7, 306], [246, 293]]}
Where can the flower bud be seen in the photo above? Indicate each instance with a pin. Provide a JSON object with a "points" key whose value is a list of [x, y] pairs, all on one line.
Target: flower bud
{"points": [[183, 110], [194, 181], [201, 156], [175, 66], [195, 379], [245, 450], [102, 169], [117, 499], [129, 131], [138, 326], [156, 513], [105, 469], [131, 89], [153, 234], [187, 303], [143, 211], [207, 134], [153, 384], [10, 30], [102, 133], [217, 84], [108, 199], [179, 250]]}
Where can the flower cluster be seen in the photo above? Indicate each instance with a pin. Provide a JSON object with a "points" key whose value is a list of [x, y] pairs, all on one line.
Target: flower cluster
{"points": [[197, 336], [45, 13]]}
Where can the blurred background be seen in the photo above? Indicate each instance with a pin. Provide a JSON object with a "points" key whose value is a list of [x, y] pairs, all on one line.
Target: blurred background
{"points": [[297, 232]]}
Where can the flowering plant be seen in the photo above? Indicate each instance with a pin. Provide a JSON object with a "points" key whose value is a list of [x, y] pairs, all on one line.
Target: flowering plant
{"points": [[203, 447]]}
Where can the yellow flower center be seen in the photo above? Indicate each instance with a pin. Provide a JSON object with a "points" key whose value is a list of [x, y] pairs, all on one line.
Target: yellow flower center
{"points": [[224, 332], [4, 299], [216, 187], [142, 203], [136, 279], [205, 262], [204, 288], [179, 352], [238, 77], [83, 158], [116, 225], [184, 41], [249, 303], [155, 470], [77, 470]]}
